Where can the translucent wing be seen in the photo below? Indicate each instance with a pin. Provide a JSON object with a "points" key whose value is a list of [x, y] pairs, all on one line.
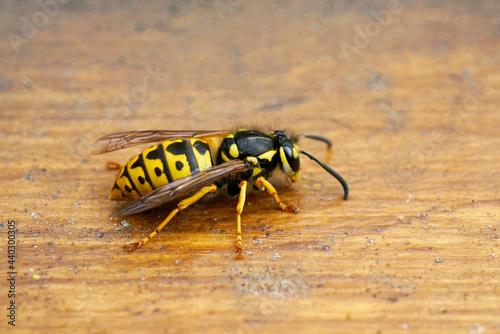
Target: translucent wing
{"points": [[120, 140], [183, 186]]}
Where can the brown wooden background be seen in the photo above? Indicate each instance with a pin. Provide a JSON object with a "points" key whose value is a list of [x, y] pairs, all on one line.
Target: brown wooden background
{"points": [[412, 108]]}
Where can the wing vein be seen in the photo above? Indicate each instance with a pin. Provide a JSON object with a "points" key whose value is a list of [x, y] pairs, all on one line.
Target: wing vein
{"points": [[121, 140]]}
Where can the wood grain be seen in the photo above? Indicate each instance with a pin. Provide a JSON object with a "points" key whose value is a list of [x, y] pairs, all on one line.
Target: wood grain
{"points": [[413, 114]]}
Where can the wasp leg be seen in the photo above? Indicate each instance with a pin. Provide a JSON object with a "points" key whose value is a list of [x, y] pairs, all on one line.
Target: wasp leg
{"points": [[261, 182], [239, 210], [181, 206], [113, 166]]}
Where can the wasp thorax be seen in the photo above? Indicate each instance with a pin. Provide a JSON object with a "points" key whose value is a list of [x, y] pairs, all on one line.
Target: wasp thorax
{"points": [[264, 151], [254, 146]]}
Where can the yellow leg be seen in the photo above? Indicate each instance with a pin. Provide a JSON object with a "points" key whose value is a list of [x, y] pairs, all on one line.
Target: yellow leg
{"points": [[181, 206], [261, 182], [114, 166], [239, 210]]}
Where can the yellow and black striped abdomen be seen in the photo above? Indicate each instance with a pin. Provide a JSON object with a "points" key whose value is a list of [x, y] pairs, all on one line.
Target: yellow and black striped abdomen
{"points": [[159, 165]]}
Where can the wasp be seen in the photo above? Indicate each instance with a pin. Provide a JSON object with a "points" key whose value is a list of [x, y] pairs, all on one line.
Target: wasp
{"points": [[192, 164]]}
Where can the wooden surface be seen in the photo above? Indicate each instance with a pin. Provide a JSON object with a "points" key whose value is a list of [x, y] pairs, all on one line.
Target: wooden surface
{"points": [[413, 113]]}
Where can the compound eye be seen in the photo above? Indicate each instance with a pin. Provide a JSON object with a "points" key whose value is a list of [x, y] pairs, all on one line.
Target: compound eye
{"points": [[292, 157]]}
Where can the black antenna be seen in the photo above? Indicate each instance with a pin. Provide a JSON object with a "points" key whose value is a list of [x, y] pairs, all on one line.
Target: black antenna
{"points": [[329, 170], [323, 139]]}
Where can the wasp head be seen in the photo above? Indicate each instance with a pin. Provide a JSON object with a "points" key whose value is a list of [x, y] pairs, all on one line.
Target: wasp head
{"points": [[288, 154]]}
